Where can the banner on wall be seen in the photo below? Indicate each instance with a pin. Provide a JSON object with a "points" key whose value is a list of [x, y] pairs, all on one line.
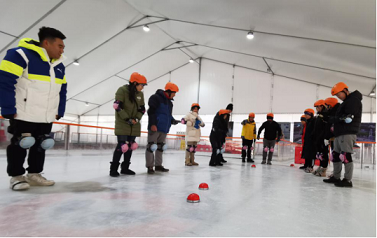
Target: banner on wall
{"points": [[367, 132], [286, 130], [297, 132], [230, 128]]}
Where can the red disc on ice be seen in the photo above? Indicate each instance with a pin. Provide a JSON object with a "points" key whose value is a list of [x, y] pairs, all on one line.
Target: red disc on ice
{"points": [[253, 166], [203, 186], [193, 197], [292, 165]]}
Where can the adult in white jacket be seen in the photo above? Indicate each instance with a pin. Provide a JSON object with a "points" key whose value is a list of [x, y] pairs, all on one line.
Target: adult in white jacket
{"points": [[193, 123]]}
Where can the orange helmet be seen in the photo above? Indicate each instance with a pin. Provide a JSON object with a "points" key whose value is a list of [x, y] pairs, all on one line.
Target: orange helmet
{"points": [[138, 78], [331, 101], [303, 116], [320, 102], [270, 115], [172, 87], [224, 111], [252, 114], [195, 105], [338, 88], [309, 112]]}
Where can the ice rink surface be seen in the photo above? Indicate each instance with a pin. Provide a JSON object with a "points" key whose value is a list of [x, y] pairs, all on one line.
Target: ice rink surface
{"points": [[275, 200]]}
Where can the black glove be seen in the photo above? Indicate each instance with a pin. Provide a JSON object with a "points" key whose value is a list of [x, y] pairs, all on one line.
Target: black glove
{"points": [[57, 117], [278, 139], [129, 121], [258, 137], [9, 116], [175, 122]]}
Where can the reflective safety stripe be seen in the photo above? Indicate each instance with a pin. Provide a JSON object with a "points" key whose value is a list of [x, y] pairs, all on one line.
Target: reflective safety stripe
{"points": [[11, 67], [39, 77], [60, 81]]}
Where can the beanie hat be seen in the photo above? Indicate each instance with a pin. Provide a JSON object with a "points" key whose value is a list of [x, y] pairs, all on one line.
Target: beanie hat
{"points": [[229, 107]]}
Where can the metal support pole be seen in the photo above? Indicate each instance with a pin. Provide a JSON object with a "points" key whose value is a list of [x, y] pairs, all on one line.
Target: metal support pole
{"points": [[67, 136], [362, 155], [200, 72], [78, 130], [100, 145]]}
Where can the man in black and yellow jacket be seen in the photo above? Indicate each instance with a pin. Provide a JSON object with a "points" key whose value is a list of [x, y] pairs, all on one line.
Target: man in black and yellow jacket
{"points": [[33, 93], [249, 135]]}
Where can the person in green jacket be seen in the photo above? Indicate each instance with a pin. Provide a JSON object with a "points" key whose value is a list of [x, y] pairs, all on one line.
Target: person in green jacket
{"points": [[129, 108]]}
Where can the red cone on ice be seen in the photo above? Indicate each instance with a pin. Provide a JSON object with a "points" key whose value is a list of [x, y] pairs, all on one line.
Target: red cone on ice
{"points": [[203, 186], [193, 197], [292, 165], [253, 166]]}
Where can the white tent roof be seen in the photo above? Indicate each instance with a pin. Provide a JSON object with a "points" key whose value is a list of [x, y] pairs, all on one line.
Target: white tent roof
{"points": [[309, 46]]}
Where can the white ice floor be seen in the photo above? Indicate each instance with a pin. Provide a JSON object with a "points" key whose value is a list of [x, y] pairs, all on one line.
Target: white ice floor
{"points": [[275, 200]]}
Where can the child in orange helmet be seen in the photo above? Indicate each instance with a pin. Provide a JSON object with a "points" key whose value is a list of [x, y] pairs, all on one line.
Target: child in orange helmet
{"points": [[272, 131], [249, 136], [193, 123]]}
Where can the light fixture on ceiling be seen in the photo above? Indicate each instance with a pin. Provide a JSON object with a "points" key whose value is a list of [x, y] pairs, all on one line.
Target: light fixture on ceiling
{"points": [[191, 61], [76, 62], [146, 28], [250, 35], [87, 104], [372, 93]]}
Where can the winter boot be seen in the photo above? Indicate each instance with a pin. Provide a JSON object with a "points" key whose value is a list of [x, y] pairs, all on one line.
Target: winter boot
{"points": [[344, 183], [269, 162], [309, 170], [315, 172], [263, 162], [322, 172], [243, 160], [161, 169], [192, 159], [114, 169], [125, 168], [249, 160], [187, 161], [150, 170], [331, 180]]}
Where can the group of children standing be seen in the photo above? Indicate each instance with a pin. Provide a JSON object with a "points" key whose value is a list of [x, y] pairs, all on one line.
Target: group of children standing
{"points": [[336, 125]]}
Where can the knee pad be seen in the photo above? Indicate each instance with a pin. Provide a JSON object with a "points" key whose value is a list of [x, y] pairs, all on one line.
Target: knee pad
{"points": [[124, 148], [46, 142], [190, 148], [251, 148], [134, 146], [335, 157], [194, 146], [26, 141], [151, 147], [244, 147], [266, 149], [162, 147], [222, 150], [345, 157], [272, 150]]}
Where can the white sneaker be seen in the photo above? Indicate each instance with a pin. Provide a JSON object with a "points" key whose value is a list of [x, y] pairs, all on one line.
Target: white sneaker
{"points": [[18, 183], [38, 180]]}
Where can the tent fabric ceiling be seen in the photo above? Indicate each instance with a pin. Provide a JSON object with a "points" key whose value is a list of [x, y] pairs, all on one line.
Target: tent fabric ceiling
{"points": [[109, 49]]}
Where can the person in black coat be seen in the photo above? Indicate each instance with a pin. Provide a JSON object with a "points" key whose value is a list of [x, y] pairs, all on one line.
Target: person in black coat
{"points": [[218, 133], [272, 131], [347, 123], [319, 138], [308, 151]]}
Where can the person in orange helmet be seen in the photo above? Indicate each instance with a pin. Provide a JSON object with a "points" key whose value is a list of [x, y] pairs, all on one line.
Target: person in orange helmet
{"points": [[160, 119], [319, 138], [129, 109], [347, 123], [193, 123], [249, 136], [308, 150], [272, 131], [218, 133]]}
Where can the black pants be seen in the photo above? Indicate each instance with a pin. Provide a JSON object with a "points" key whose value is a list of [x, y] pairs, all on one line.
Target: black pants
{"points": [[325, 161], [249, 144], [118, 150], [16, 155], [216, 144]]}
